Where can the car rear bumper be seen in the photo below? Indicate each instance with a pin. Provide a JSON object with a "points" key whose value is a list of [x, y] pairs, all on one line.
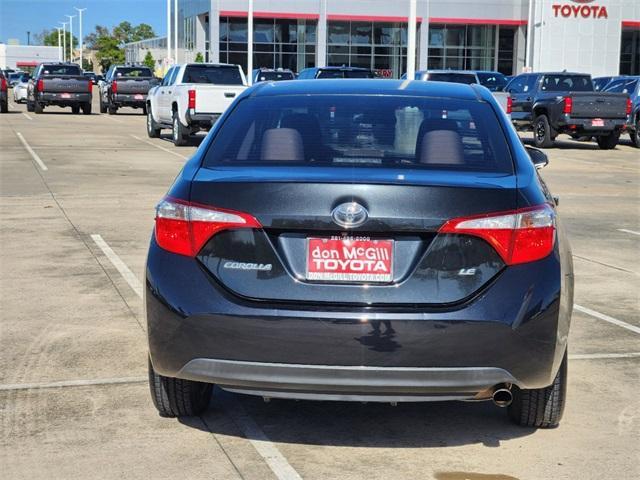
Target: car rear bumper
{"points": [[57, 99], [203, 120], [129, 100], [585, 125], [514, 331]]}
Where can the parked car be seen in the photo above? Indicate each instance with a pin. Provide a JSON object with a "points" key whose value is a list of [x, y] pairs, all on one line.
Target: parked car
{"points": [[14, 78], [20, 90], [4, 93], [272, 75], [335, 72], [92, 76], [191, 97], [126, 86], [466, 77], [365, 241], [60, 84], [494, 81], [561, 102], [631, 86], [600, 82]]}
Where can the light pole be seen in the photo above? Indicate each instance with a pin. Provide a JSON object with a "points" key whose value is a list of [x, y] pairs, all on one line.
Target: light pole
{"points": [[28, 38], [64, 41], [59, 44], [175, 29], [70, 17], [80, 10], [168, 33], [411, 41], [250, 43]]}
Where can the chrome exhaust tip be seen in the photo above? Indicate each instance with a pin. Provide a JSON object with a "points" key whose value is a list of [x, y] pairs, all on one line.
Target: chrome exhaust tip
{"points": [[502, 397]]}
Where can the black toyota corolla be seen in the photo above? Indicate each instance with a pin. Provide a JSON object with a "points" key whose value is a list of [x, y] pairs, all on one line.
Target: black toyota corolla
{"points": [[368, 240]]}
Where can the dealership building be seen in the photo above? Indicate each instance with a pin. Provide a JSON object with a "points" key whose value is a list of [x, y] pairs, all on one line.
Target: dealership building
{"points": [[601, 37]]}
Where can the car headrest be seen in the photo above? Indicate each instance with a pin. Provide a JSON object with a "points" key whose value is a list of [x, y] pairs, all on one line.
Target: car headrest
{"points": [[282, 144], [439, 142]]}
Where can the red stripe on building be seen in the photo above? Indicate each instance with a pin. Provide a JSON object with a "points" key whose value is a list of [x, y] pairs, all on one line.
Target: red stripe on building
{"points": [[369, 18], [631, 23], [478, 21], [240, 13]]}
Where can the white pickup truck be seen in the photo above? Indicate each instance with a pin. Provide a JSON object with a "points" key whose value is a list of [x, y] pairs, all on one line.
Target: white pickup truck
{"points": [[191, 97]]}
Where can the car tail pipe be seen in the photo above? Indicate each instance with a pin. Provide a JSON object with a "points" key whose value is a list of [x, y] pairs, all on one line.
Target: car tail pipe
{"points": [[502, 395]]}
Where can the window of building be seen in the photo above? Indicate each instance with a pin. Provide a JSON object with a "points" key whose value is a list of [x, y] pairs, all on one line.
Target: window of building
{"points": [[630, 52], [277, 43], [380, 46]]}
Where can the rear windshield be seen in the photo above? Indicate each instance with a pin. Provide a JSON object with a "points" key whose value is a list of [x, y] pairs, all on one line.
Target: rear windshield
{"points": [[345, 74], [212, 74], [362, 131], [61, 70], [493, 81], [565, 83], [453, 78], [274, 76], [133, 72], [622, 86]]}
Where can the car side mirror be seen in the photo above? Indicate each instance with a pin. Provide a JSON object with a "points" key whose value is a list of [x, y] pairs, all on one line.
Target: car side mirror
{"points": [[538, 157]]}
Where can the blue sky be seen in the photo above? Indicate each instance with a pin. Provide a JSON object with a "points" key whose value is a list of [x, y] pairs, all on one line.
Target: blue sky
{"points": [[19, 16]]}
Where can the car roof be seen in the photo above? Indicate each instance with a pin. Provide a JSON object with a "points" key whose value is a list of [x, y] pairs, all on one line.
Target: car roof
{"points": [[368, 87], [467, 72], [344, 68]]}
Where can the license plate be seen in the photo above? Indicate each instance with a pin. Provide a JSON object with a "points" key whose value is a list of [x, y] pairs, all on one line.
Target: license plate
{"points": [[65, 95], [138, 97], [350, 259], [597, 122]]}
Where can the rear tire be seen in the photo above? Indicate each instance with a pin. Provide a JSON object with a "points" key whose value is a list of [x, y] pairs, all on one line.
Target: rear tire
{"points": [[4, 107], [38, 107], [635, 134], [174, 397], [541, 407], [542, 134], [86, 108], [144, 110], [30, 106], [607, 142], [180, 134], [112, 109], [75, 109], [153, 131], [103, 107]]}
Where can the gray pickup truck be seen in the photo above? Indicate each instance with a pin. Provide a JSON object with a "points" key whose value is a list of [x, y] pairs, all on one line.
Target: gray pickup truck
{"points": [[126, 86], [563, 102], [61, 84]]}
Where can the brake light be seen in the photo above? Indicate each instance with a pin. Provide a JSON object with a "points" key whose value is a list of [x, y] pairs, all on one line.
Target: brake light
{"points": [[3, 84], [519, 236], [90, 86], [40, 85], [114, 86], [568, 105], [509, 105], [629, 105], [192, 99], [184, 228]]}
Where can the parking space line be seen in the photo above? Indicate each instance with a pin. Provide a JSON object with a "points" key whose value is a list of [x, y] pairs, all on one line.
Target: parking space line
{"points": [[126, 273], [628, 231], [598, 356], [607, 318], [160, 147], [33, 154], [28, 117], [72, 383]]}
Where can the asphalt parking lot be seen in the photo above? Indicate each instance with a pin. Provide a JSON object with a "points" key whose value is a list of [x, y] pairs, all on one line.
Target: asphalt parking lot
{"points": [[77, 200]]}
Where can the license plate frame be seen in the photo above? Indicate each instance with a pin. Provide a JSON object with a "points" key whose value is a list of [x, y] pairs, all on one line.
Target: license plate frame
{"points": [[597, 122], [379, 251], [138, 96], [65, 95]]}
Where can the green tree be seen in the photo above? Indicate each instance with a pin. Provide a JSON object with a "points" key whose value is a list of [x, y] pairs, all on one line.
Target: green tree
{"points": [[199, 58], [109, 44], [149, 61], [143, 32], [50, 39], [108, 51], [123, 32], [87, 65]]}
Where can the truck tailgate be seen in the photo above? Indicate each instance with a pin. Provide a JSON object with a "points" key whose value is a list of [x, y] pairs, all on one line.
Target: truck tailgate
{"points": [[66, 84], [133, 85], [599, 105], [215, 98]]}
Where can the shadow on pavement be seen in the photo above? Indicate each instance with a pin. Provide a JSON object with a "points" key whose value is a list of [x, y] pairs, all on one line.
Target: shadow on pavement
{"points": [[352, 424]]}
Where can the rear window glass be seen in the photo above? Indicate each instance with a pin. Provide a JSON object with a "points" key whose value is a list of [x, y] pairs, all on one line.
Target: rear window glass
{"points": [[493, 81], [453, 78], [345, 74], [274, 76], [564, 83], [361, 131], [621, 86], [212, 74], [133, 72], [61, 70]]}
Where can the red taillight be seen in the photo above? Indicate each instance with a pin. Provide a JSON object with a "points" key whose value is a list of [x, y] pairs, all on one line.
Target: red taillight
{"points": [[114, 87], [519, 236], [568, 105], [509, 105], [90, 86], [184, 228], [192, 99], [3, 84], [629, 105], [40, 85]]}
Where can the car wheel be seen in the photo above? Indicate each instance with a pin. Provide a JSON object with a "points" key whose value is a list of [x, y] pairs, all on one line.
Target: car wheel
{"points": [[4, 107], [86, 108], [541, 407], [112, 109], [174, 397], [38, 107], [75, 109], [180, 133], [542, 135], [152, 127], [103, 107], [635, 134], [30, 106], [607, 142]]}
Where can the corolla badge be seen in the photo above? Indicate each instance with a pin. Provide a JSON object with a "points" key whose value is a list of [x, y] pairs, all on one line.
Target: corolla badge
{"points": [[349, 215]]}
